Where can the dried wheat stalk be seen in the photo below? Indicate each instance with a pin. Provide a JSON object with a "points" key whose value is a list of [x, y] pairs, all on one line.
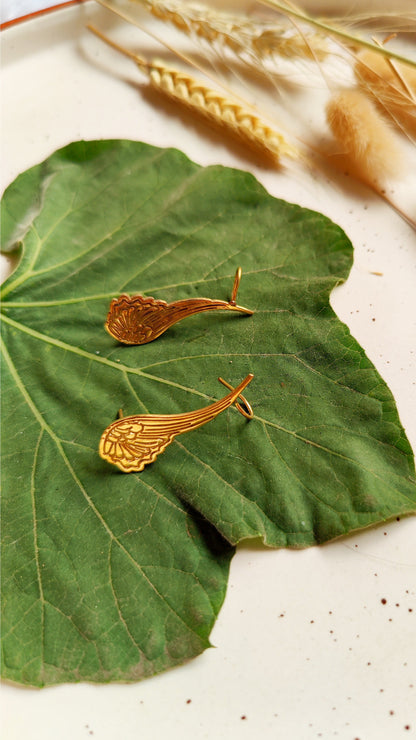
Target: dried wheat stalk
{"points": [[364, 137], [243, 36], [338, 31], [221, 110]]}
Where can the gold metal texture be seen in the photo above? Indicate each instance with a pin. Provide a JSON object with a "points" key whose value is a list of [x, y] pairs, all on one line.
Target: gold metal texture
{"points": [[139, 320], [131, 442]]}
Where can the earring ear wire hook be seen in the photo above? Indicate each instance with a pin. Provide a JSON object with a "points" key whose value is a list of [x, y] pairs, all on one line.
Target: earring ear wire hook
{"points": [[236, 285], [247, 411]]}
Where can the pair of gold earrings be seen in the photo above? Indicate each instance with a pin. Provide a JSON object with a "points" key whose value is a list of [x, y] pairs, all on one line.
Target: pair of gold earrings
{"points": [[131, 442]]}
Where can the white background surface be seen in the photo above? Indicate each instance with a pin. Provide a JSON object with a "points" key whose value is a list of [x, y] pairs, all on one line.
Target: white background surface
{"points": [[11, 9], [16, 8], [304, 646]]}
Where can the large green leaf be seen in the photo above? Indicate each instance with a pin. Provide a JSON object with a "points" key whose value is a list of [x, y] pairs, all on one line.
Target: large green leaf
{"points": [[110, 576]]}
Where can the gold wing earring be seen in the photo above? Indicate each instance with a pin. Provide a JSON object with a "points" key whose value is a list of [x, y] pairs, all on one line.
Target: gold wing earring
{"points": [[139, 320], [131, 442]]}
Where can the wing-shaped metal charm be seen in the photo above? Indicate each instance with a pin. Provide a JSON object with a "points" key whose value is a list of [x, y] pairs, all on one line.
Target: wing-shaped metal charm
{"points": [[138, 320], [134, 441]]}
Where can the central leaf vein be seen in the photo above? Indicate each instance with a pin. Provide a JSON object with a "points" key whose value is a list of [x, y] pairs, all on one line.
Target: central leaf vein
{"points": [[58, 443]]}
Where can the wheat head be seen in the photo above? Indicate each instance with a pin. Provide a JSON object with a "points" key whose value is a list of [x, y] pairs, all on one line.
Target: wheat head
{"points": [[220, 110], [240, 34], [202, 100]]}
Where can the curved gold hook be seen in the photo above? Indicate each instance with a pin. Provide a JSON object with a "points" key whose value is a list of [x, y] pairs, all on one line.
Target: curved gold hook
{"points": [[139, 320], [236, 286], [247, 411], [131, 442]]}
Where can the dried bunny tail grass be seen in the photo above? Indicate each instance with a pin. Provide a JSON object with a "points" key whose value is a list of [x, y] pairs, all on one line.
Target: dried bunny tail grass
{"points": [[210, 104], [237, 32], [364, 137], [392, 85]]}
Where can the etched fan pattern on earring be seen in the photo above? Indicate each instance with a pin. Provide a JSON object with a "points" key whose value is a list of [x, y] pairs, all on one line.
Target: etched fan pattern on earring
{"points": [[135, 441], [136, 320]]}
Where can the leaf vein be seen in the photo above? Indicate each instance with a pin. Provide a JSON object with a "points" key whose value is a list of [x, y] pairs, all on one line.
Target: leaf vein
{"points": [[81, 488], [36, 549], [117, 603]]}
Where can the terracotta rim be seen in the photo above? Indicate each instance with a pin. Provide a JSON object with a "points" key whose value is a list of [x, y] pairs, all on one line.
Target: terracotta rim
{"points": [[38, 13]]}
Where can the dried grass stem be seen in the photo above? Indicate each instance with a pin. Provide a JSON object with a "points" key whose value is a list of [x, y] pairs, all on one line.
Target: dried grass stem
{"points": [[336, 31]]}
